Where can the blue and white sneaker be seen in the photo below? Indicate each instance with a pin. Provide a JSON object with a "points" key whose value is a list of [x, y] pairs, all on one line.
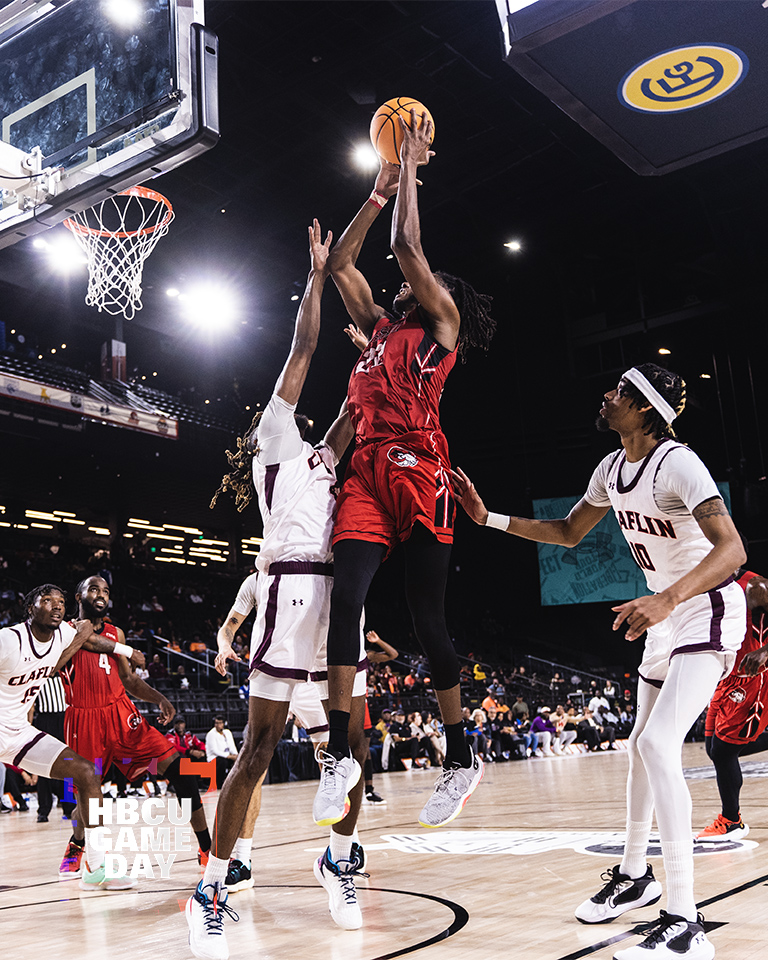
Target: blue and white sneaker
{"points": [[206, 909]]}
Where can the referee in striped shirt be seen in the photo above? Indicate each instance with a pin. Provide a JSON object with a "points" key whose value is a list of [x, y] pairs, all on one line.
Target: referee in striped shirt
{"points": [[49, 717]]}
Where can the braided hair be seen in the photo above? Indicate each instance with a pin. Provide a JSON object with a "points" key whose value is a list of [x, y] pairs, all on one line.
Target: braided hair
{"points": [[36, 592], [477, 325], [670, 385], [240, 478]]}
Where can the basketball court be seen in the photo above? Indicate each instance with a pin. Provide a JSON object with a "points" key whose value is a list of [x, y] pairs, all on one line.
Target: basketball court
{"points": [[503, 878]]}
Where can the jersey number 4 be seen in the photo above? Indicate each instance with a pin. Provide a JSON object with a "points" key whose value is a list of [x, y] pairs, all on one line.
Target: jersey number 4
{"points": [[105, 663]]}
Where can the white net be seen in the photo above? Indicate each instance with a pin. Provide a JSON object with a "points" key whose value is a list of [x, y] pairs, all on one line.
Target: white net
{"points": [[117, 236]]}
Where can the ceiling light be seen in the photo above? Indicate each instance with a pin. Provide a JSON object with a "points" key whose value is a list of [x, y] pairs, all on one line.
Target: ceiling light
{"points": [[40, 242], [171, 292], [390, 256], [705, 376], [365, 157], [125, 13], [514, 245], [664, 352], [211, 306], [295, 296]]}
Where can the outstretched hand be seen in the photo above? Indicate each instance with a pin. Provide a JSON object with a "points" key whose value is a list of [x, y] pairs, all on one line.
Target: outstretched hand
{"points": [[225, 653], [319, 248], [416, 139], [357, 336], [387, 179], [468, 497]]}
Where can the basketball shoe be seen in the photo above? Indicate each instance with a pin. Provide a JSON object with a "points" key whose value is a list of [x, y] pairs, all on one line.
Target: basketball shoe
{"points": [[70, 868], [454, 787], [372, 797], [619, 894], [337, 777], [206, 909], [358, 857], [339, 880], [723, 829], [239, 876], [671, 938], [98, 880]]}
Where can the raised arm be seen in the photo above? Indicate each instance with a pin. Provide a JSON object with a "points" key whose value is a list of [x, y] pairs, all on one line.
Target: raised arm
{"points": [[340, 433], [385, 652], [307, 330], [567, 532], [353, 287], [437, 304], [88, 640]]}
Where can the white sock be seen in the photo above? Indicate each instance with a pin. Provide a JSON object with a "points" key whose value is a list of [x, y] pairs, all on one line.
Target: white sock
{"points": [[94, 858], [215, 871], [634, 863], [242, 851], [678, 866], [341, 847]]}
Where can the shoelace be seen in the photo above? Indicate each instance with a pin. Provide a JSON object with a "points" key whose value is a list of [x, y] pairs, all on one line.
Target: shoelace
{"points": [[329, 765], [213, 913], [660, 927], [612, 877]]}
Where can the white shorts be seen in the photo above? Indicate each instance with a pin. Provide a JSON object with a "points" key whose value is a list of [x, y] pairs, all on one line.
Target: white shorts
{"points": [[710, 622], [30, 749], [289, 640]]}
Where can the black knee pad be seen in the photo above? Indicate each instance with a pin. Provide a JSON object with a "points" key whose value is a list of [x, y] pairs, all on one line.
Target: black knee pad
{"points": [[185, 785]]}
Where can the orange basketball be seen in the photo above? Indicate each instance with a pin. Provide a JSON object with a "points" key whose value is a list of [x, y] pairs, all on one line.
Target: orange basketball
{"points": [[386, 135]]}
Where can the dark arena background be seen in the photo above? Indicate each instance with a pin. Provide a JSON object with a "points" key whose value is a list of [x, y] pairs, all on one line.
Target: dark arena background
{"points": [[534, 197]]}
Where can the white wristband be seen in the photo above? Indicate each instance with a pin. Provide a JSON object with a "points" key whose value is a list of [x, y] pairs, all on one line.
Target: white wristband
{"points": [[497, 520], [122, 649], [377, 200]]}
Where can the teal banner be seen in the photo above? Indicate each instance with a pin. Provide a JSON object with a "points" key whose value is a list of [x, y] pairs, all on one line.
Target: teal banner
{"points": [[600, 569]]}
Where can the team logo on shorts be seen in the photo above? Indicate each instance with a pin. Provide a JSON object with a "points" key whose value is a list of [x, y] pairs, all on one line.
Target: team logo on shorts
{"points": [[738, 695], [683, 78], [134, 721], [403, 458]]}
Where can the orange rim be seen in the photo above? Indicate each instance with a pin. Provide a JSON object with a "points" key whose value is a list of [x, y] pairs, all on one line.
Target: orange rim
{"points": [[146, 194]]}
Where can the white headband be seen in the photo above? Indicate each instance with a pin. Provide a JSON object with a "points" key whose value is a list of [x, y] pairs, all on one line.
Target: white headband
{"points": [[650, 393]]}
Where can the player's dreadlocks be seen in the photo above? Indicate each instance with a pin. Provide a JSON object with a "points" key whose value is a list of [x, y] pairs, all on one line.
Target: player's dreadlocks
{"points": [[670, 385], [240, 479], [477, 325], [40, 591]]}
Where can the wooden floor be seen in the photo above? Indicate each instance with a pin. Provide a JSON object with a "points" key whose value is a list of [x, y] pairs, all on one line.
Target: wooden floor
{"points": [[501, 880]]}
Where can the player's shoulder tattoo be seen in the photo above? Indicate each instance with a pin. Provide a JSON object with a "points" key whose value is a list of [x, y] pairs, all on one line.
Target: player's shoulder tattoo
{"points": [[715, 507]]}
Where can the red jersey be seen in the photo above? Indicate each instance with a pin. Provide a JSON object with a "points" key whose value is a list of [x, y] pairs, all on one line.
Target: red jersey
{"points": [[397, 383], [93, 679]]}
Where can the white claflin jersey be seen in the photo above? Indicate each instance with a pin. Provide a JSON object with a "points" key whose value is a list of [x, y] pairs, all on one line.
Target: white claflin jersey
{"points": [[25, 663], [297, 506], [653, 501]]}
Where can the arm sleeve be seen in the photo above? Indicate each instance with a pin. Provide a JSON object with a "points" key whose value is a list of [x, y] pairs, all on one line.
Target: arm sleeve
{"points": [[684, 479], [278, 436], [597, 491], [245, 600]]}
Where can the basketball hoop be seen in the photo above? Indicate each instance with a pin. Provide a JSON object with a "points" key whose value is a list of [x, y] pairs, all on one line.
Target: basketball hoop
{"points": [[117, 236]]}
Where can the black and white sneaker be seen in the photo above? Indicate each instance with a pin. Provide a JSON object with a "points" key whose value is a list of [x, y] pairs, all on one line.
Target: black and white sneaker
{"points": [[372, 797], [619, 894], [358, 858], [239, 876], [671, 938]]}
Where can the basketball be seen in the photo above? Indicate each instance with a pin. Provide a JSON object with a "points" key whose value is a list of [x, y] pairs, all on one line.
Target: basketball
{"points": [[386, 135]]}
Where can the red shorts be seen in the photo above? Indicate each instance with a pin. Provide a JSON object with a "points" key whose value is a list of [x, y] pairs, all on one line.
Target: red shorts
{"points": [[738, 711], [392, 484], [115, 734]]}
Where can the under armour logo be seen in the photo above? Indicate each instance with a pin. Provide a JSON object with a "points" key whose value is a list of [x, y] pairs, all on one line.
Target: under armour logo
{"points": [[299, 603]]}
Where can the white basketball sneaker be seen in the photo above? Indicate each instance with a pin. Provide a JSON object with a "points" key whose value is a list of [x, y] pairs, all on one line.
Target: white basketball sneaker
{"points": [[621, 893], [339, 880], [206, 909], [454, 787], [338, 775], [671, 938]]}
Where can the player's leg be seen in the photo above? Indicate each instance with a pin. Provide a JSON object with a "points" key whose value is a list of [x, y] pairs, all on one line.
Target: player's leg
{"points": [[631, 883], [239, 876], [728, 825], [207, 907], [185, 785], [342, 860]]}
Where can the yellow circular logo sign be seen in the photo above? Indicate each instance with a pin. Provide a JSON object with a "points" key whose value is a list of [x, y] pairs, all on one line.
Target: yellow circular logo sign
{"points": [[683, 78]]}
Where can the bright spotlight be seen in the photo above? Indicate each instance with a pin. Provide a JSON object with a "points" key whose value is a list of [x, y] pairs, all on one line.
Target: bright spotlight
{"points": [[40, 243], [514, 245], [65, 255], [171, 292], [365, 157], [125, 13], [664, 352], [209, 306]]}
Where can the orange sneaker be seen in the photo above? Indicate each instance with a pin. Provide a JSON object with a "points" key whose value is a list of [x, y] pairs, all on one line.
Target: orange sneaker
{"points": [[724, 830], [202, 857], [70, 868]]}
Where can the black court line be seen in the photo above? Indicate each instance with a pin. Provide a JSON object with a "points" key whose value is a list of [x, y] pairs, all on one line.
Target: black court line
{"points": [[640, 928], [460, 915]]}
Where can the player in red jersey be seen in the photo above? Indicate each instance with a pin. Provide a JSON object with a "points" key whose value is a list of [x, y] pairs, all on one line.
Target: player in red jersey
{"points": [[397, 488], [104, 726], [738, 712]]}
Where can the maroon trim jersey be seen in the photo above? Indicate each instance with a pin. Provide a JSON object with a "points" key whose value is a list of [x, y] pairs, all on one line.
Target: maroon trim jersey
{"points": [[396, 385], [738, 711], [93, 679]]}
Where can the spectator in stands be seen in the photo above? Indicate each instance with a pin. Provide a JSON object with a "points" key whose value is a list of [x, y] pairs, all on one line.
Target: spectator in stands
{"points": [[626, 721], [220, 745], [436, 732], [595, 734], [479, 674], [181, 678], [157, 668], [501, 737], [405, 745], [610, 692], [523, 728], [419, 730], [184, 742], [519, 707], [566, 733], [496, 688], [545, 730], [197, 645], [490, 703], [385, 722], [557, 684], [599, 707]]}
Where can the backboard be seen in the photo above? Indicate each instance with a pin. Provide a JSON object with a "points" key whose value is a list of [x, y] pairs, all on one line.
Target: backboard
{"points": [[97, 96]]}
